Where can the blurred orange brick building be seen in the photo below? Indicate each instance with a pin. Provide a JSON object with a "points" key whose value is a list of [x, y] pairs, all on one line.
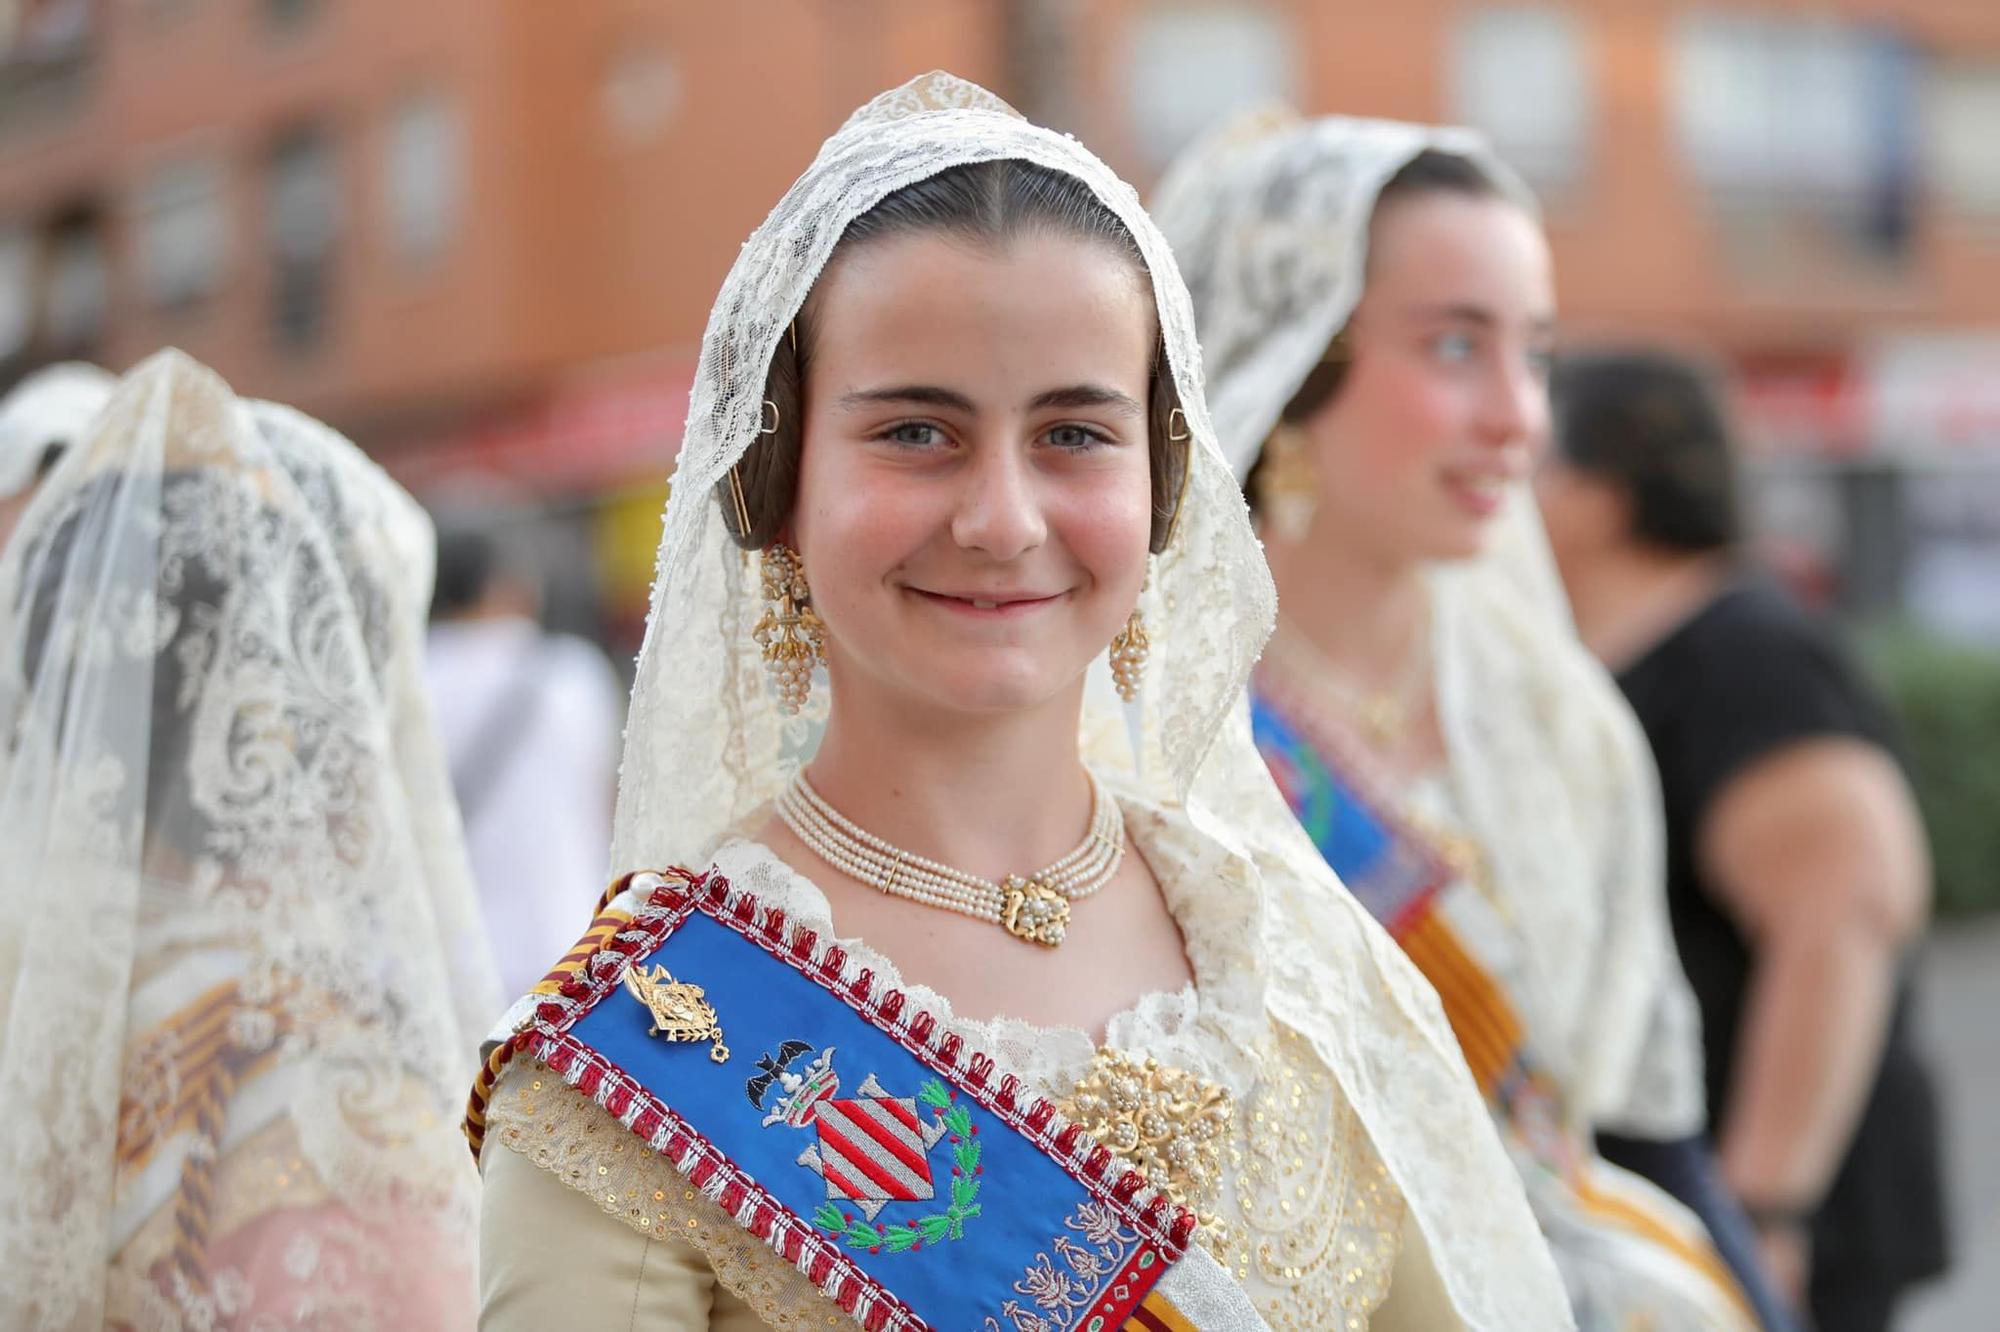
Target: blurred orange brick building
{"points": [[484, 234]]}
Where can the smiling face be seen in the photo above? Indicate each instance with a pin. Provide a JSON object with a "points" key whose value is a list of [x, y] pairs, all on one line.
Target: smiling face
{"points": [[974, 499], [1445, 400]]}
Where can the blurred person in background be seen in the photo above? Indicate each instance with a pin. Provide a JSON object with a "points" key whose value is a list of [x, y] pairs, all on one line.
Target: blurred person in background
{"points": [[241, 969], [1375, 304], [1798, 872], [530, 722], [39, 418]]}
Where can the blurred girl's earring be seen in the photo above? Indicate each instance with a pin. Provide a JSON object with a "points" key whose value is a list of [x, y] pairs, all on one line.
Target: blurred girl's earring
{"points": [[789, 633], [1128, 651], [1287, 484]]}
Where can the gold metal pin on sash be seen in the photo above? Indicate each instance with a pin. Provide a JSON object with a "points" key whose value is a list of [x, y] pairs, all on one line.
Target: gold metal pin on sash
{"points": [[681, 1012]]}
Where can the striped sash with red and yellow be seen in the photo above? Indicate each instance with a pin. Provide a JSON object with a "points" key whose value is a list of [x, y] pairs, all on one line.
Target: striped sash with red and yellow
{"points": [[1401, 875]]}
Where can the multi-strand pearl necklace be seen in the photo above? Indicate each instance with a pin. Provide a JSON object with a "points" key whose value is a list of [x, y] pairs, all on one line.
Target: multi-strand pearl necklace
{"points": [[1034, 907]]}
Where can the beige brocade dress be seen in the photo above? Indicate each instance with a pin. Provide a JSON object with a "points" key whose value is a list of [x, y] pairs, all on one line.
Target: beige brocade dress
{"points": [[583, 1227]]}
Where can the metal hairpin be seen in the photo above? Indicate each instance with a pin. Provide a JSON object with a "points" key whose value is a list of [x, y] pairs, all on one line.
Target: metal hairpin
{"points": [[736, 482], [742, 509], [1185, 436]]}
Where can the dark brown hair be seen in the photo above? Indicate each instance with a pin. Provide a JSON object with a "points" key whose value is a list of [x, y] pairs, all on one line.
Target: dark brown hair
{"points": [[989, 202], [1655, 425]]}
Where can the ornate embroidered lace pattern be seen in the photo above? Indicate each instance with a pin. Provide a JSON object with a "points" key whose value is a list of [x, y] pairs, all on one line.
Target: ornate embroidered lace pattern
{"points": [[251, 921], [1311, 1219], [1314, 1222]]}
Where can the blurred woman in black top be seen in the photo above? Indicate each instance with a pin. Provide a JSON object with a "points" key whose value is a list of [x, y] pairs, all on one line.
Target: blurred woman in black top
{"points": [[1798, 873]]}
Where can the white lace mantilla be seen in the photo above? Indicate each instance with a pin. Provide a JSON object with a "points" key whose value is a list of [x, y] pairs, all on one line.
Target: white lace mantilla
{"points": [[241, 963]]}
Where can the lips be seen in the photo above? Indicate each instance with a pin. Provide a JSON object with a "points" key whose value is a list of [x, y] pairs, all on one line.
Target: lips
{"points": [[988, 604], [1482, 491]]}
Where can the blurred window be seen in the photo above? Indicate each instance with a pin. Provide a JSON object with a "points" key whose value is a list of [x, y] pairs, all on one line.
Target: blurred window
{"points": [[182, 228], [640, 93], [1964, 137], [1520, 75], [289, 15], [303, 222], [39, 29], [45, 63], [79, 284], [17, 288], [1188, 66], [424, 169], [1800, 129]]}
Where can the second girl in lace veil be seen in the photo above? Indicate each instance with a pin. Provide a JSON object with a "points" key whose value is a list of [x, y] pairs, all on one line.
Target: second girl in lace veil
{"points": [[949, 395], [1375, 303]]}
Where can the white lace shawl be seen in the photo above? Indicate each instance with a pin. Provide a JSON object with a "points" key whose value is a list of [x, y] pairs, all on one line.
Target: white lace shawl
{"points": [[706, 744], [219, 793], [1269, 219], [52, 406]]}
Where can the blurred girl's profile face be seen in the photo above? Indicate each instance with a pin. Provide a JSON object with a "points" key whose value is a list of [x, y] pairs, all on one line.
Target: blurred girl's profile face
{"points": [[974, 501], [1445, 399]]}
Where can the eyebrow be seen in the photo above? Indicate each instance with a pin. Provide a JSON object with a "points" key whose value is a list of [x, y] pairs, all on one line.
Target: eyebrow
{"points": [[1087, 395], [924, 395], [931, 395], [1479, 316]]}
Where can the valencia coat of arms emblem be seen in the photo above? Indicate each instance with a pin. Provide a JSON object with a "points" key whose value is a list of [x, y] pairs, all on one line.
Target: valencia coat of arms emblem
{"points": [[872, 1148]]}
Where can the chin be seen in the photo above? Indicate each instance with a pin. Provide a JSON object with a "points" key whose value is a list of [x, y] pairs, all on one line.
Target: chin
{"points": [[1458, 539], [993, 694], [933, 675]]}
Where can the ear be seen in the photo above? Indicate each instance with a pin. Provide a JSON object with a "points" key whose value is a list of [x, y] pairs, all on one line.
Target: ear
{"points": [[1606, 509]]}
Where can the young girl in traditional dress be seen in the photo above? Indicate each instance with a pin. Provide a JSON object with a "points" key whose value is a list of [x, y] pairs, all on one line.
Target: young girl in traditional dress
{"points": [[948, 443]]}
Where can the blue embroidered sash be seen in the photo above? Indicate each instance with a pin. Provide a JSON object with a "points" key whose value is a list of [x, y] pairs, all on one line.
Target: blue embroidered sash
{"points": [[1398, 876], [1391, 871], [846, 1128]]}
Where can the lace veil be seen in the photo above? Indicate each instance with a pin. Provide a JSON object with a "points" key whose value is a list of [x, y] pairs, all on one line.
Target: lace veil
{"points": [[1269, 218], [706, 745], [241, 969]]}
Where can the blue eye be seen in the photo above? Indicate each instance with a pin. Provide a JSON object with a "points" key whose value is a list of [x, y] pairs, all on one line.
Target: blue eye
{"points": [[1454, 347], [1076, 437], [913, 435], [1541, 361]]}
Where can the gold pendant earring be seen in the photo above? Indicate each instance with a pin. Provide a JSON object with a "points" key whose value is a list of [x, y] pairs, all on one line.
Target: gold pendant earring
{"points": [[1129, 648], [1287, 484], [790, 633]]}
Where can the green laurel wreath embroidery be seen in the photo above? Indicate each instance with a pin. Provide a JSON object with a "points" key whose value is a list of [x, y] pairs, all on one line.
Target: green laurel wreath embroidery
{"points": [[905, 1236]]}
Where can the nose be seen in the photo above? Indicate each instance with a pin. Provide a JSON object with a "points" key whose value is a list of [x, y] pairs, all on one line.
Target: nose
{"points": [[1514, 408], [999, 508]]}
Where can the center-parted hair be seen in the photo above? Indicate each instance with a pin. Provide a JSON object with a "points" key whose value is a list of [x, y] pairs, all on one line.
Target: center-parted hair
{"points": [[988, 203]]}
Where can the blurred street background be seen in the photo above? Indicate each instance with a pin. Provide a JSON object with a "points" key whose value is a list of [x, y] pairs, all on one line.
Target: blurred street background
{"points": [[482, 236]]}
